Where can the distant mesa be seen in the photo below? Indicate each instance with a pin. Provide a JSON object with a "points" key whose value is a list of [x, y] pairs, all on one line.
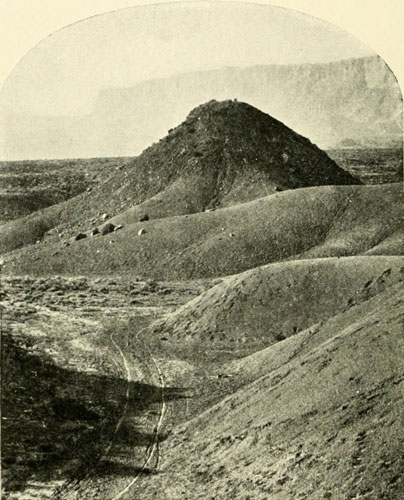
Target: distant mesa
{"points": [[358, 99], [348, 143]]}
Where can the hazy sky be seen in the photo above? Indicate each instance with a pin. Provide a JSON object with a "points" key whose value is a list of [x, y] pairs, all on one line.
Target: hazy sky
{"points": [[64, 73]]}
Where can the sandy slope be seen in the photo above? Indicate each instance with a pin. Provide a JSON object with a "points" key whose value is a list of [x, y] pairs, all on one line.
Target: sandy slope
{"points": [[320, 221]]}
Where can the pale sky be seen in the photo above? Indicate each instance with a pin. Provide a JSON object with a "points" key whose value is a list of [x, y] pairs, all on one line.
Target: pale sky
{"points": [[63, 74]]}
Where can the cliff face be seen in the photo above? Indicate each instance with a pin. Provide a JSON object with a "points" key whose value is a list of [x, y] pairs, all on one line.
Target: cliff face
{"points": [[356, 100]]}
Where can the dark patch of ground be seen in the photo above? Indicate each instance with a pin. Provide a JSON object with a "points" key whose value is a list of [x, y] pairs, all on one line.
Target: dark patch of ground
{"points": [[31, 185], [371, 166]]}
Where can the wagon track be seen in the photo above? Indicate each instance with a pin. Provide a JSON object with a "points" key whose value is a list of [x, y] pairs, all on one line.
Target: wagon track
{"points": [[152, 450]]}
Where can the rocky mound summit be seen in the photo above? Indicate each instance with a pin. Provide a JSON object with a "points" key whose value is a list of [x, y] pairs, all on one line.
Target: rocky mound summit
{"points": [[224, 153]]}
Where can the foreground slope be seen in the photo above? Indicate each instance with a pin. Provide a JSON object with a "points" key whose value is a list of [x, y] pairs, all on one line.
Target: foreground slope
{"points": [[324, 221], [223, 154], [320, 414]]}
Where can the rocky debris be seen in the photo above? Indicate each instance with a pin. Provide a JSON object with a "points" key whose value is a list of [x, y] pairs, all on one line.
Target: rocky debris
{"points": [[118, 227], [141, 231], [105, 216], [107, 228], [144, 218], [95, 231], [80, 236]]}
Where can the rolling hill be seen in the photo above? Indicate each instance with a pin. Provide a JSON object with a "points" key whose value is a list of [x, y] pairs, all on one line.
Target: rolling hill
{"points": [[271, 303], [321, 221]]}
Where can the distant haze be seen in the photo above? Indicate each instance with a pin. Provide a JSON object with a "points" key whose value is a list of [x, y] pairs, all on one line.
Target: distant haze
{"points": [[64, 75]]}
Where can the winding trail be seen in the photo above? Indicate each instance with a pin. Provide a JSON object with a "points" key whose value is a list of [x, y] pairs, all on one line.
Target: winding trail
{"points": [[151, 450], [154, 448]]}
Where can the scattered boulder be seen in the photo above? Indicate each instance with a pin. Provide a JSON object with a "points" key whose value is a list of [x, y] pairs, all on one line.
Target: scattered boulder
{"points": [[144, 218], [118, 227], [105, 216], [95, 231], [141, 231], [107, 228], [80, 236]]}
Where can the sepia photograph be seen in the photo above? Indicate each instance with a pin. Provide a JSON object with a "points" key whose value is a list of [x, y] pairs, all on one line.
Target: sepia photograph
{"points": [[201, 250]]}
